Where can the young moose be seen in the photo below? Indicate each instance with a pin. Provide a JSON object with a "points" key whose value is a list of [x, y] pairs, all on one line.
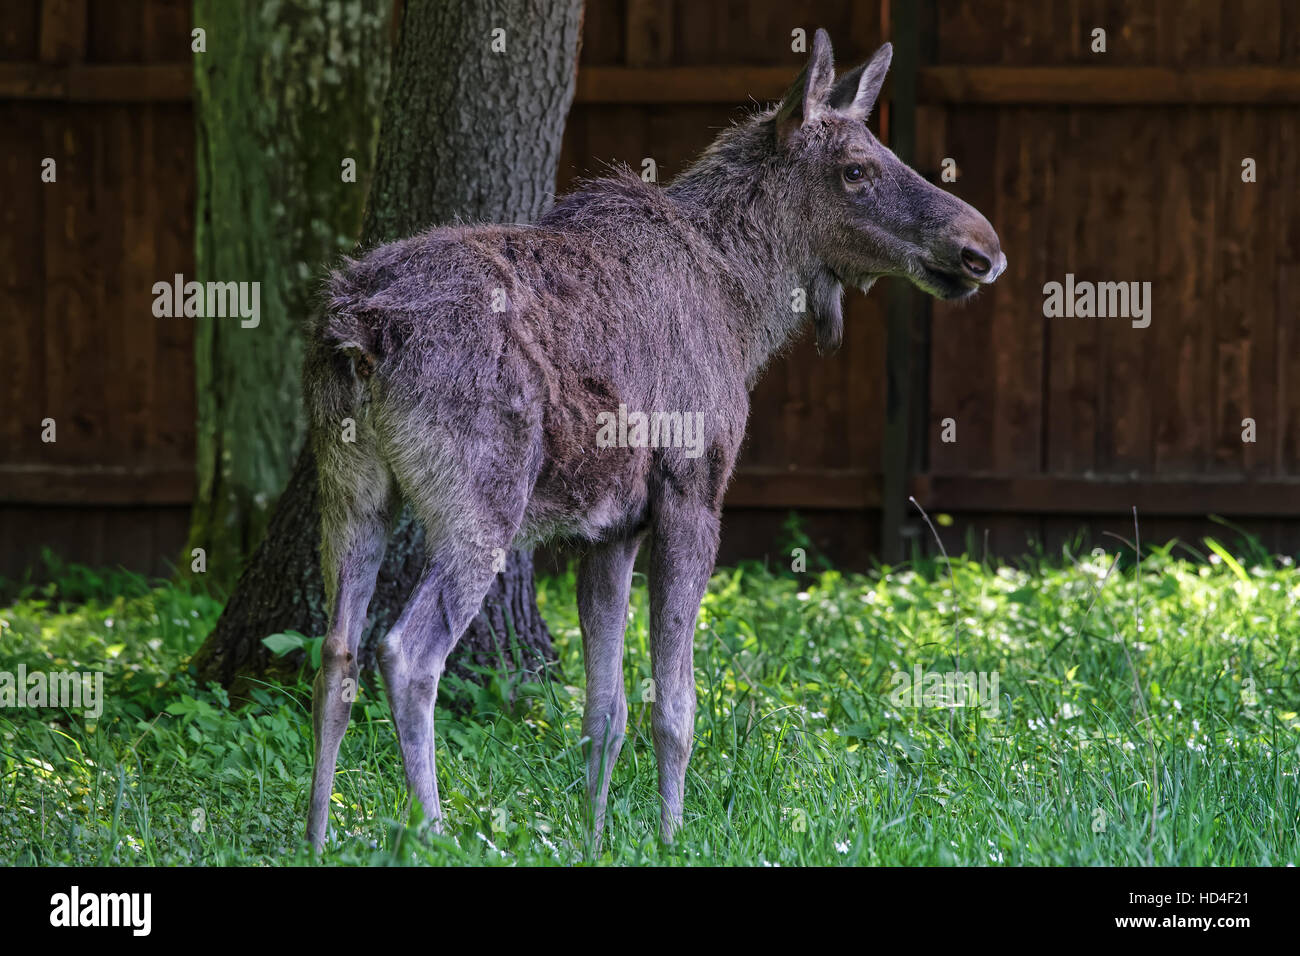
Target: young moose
{"points": [[477, 362]]}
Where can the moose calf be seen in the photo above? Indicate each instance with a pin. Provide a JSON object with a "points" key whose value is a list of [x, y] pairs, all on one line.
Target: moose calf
{"points": [[477, 361]]}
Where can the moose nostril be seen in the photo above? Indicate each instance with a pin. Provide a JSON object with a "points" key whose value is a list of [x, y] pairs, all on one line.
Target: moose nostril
{"points": [[976, 263]]}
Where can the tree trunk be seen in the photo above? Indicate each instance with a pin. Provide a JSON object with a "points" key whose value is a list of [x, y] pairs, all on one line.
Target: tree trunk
{"points": [[472, 126], [272, 205]]}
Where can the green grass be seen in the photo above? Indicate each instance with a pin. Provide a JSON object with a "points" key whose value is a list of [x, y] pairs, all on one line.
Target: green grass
{"points": [[1141, 722]]}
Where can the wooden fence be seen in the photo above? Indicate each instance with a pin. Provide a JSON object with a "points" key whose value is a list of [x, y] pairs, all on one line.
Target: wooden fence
{"points": [[1117, 166], [103, 88]]}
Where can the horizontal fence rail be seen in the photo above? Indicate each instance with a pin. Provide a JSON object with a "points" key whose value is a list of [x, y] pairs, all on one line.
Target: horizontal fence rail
{"points": [[956, 85]]}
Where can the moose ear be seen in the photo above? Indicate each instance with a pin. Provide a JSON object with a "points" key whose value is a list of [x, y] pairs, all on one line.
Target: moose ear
{"points": [[809, 95], [857, 90]]}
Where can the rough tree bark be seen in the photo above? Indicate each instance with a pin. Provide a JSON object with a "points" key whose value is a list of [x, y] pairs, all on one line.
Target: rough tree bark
{"points": [[471, 130], [272, 205]]}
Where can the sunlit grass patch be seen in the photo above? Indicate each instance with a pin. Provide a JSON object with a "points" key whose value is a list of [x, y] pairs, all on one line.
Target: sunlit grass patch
{"points": [[1137, 720]]}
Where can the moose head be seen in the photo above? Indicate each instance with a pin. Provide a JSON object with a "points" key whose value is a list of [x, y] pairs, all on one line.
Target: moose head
{"points": [[866, 213]]}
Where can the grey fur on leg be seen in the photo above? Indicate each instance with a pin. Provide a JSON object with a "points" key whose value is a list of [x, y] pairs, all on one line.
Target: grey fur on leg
{"points": [[684, 548], [604, 583], [336, 681], [414, 653], [411, 658]]}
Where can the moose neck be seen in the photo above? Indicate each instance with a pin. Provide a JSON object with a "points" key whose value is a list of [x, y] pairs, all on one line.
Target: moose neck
{"points": [[733, 196]]}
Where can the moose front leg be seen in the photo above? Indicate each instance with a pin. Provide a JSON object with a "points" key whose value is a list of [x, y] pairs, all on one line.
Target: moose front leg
{"points": [[684, 548]]}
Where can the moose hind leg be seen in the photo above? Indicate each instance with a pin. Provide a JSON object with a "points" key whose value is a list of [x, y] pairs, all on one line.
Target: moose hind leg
{"points": [[356, 495], [411, 659], [468, 533], [683, 551], [604, 580]]}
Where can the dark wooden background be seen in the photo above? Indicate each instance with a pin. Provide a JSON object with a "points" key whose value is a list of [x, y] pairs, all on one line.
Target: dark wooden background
{"points": [[1115, 167]]}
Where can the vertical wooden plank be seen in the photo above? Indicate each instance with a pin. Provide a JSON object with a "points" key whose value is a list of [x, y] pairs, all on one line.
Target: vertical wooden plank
{"points": [[604, 34], [1131, 182], [172, 224], [930, 134], [1285, 294], [20, 31], [166, 31], [110, 300], [796, 410], [1171, 41], [862, 34], [904, 30], [8, 544], [1021, 44], [573, 149], [128, 538], [1202, 25], [73, 351], [22, 289], [1132, 33], [1241, 207], [1289, 34], [969, 32], [768, 435], [816, 429], [63, 31], [70, 354], [1259, 307], [963, 350], [1250, 32], [864, 339], [649, 39], [167, 145], [1074, 403], [134, 338], [695, 38], [171, 529], [1022, 212], [931, 150], [1182, 411], [116, 31], [1016, 385]]}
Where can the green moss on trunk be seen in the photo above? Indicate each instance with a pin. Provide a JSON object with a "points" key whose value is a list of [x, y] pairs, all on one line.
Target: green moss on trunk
{"points": [[284, 93]]}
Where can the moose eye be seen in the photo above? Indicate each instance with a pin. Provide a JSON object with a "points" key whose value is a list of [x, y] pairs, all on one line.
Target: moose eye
{"points": [[853, 174]]}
